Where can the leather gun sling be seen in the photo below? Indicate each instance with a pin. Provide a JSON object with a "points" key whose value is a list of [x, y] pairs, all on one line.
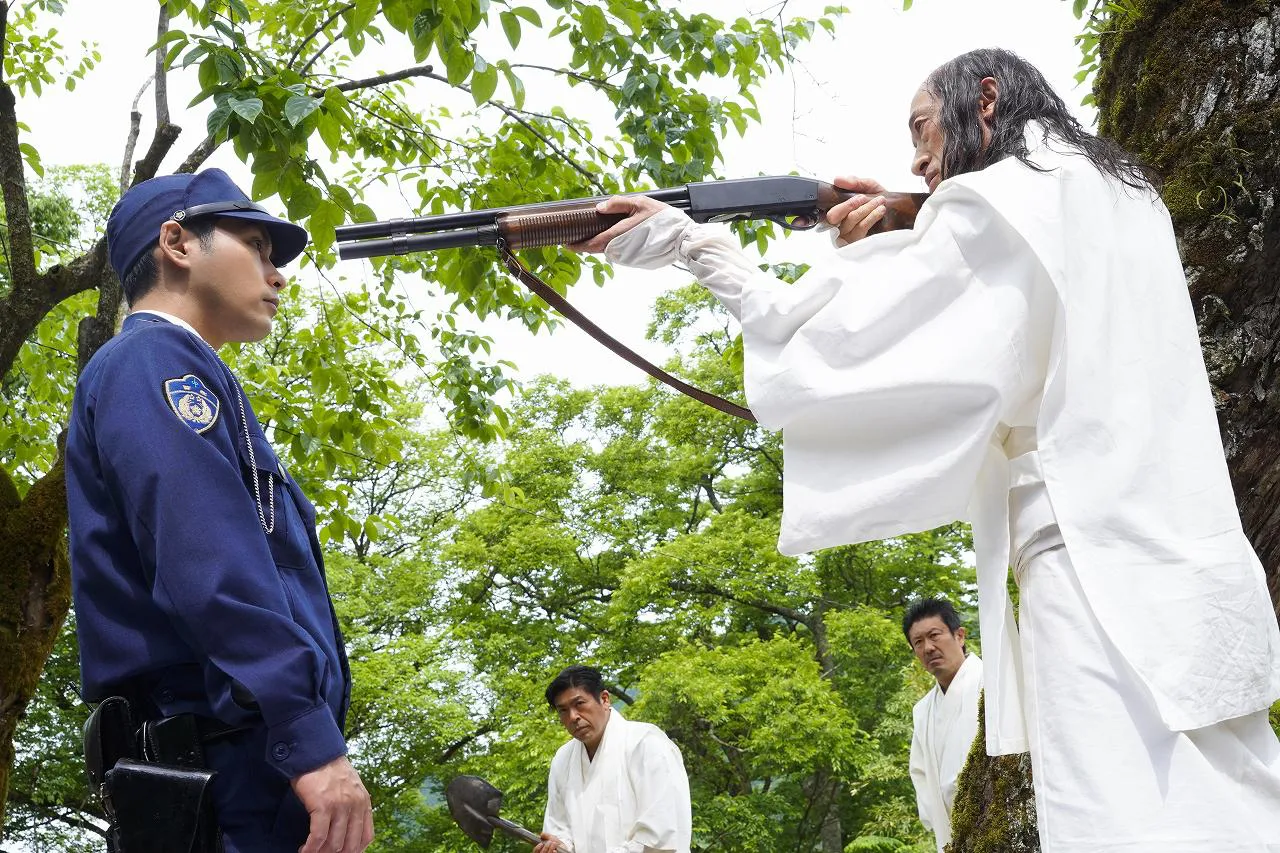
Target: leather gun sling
{"points": [[558, 302]]}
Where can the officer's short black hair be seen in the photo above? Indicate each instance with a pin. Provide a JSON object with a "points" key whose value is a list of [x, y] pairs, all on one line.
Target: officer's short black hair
{"points": [[924, 608], [144, 274], [579, 676]]}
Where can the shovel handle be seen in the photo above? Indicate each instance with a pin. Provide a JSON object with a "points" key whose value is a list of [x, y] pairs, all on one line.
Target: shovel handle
{"points": [[515, 830]]}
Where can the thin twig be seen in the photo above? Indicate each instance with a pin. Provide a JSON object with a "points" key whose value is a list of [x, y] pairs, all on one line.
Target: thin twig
{"points": [[594, 81], [591, 179], [135, 128], [316, 56], [297, 51], [512, 114]]}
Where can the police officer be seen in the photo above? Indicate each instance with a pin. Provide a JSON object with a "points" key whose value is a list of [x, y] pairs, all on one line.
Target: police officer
{"points": [[197, 575]]}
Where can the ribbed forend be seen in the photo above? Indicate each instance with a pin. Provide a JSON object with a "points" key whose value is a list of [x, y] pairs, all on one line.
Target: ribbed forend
{"points": [[528, 230]]}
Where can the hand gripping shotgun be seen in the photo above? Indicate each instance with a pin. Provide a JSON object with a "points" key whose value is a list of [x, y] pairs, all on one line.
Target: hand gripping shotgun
{"points": [[794, 202]]}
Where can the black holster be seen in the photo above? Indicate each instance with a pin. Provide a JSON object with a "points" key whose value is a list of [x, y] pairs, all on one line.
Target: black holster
{"points": [[152, 780]]}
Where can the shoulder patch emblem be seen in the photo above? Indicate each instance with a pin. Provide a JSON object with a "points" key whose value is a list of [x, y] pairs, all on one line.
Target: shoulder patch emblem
{"points": [[193, 403]]}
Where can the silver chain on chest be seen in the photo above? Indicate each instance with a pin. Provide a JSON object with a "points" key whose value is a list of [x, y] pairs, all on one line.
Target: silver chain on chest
{"points": [[267, 526]]}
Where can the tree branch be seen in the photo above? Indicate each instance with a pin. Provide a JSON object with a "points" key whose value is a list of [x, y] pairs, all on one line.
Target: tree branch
{"points": [[96, 330], [615, 690], [760, 604], [693, 511], [773, 463], [453, 748], [315, 57], [425, 71], [162, 79], [297, 51], [22, 311], [22, 260], [564, 155], [73, 816], [593, 81], [708, 483], [161, 144], [135, 128], [198, 155], [63, 281], [4, 36], [394, 76]]}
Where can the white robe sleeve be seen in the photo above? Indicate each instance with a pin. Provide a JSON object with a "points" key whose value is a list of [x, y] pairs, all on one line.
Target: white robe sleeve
{"points": [[664, 813], [555, 820], [888, 369], [919, 775]]}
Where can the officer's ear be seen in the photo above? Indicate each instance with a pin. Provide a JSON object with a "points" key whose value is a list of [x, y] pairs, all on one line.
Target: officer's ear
{"points": [[175, 245]]}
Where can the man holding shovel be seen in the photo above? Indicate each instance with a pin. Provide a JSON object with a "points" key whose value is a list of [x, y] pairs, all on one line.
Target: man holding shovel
{"points": [[617, 787]]}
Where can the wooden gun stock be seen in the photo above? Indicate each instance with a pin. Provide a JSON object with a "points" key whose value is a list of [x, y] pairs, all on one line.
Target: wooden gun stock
{"points": [[900, 212]]}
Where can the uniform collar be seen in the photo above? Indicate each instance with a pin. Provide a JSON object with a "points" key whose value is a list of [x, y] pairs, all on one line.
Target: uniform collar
{"points": [[177, 321]]}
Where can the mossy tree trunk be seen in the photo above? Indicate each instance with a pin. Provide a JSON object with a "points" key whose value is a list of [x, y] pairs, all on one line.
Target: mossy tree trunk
{"points": [[995, 810], [1193, 87], [35, 594]]}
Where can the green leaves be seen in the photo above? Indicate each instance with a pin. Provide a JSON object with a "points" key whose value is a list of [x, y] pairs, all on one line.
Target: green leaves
{"points": [[228, 66], [484, 82], [592, 22], [298, 107], [247, 108], [458, 62], [511, 27]]}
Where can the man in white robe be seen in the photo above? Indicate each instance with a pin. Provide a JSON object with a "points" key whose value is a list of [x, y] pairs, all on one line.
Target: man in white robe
{"points": [[619, 786], [945, 721], [1026, 358]]}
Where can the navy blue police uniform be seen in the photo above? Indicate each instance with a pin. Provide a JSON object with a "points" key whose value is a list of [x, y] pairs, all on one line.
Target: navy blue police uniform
{"points": [[197, 575]]}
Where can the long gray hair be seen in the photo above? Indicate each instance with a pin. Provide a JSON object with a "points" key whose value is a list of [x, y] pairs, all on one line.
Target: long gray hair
{"points": [[1024, 95]]}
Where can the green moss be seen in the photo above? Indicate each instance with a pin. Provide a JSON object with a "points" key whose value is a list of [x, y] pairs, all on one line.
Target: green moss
{"points": [[1155, 66], [1180, 197], [995, 810]]}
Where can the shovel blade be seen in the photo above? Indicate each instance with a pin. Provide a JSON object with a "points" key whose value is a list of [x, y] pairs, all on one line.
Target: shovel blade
{"points": [[472, 801]]}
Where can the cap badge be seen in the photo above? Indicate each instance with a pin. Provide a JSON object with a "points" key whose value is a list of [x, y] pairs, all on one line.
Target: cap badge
{"points": [[193, 403]]}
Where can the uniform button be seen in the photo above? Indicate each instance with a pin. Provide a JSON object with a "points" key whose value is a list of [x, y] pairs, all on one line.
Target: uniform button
{"points": [[280, 751]]}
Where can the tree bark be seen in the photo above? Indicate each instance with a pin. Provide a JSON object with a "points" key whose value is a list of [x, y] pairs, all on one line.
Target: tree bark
{"points": [[995, 810], [35, 595], [1193, 86]]}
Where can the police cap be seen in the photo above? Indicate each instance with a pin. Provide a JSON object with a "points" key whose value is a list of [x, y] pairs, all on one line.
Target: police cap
{"points": [[134, 225]]}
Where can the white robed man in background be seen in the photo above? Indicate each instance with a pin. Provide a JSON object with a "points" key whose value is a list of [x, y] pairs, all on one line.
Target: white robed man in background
{"points": [[619, 786], [944, 724], [1026, 358]]}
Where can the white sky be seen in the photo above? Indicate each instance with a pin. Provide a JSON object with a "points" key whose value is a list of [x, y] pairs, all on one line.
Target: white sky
{"points": [[840, 110]]}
